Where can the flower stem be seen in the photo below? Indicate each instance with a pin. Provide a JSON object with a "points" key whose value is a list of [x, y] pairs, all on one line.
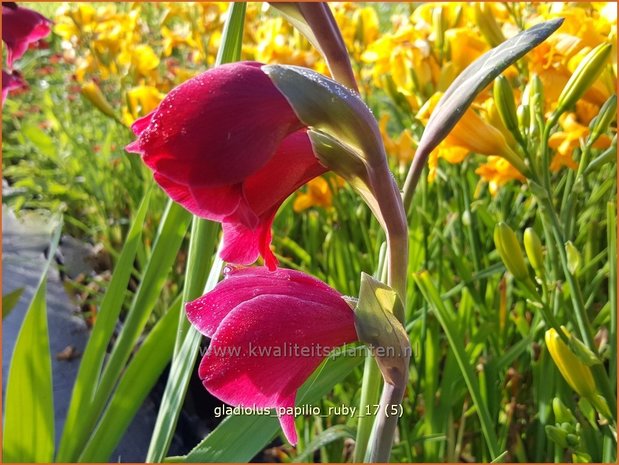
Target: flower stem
{"points": [[390, 408], [369, 397], [552, 220]]}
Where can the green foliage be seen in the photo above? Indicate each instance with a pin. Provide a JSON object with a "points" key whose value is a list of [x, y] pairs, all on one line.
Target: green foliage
{"points": [[29, 402]]}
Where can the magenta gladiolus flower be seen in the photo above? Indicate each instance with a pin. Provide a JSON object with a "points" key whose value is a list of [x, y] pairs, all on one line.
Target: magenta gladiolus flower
{"points": [[10, 82], [20, 28], [228, 147], [269, 331]]}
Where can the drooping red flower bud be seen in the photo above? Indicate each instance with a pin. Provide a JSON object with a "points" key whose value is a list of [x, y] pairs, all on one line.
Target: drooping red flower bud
{"points": [[269, 331], [20, 28], [228, 147]]}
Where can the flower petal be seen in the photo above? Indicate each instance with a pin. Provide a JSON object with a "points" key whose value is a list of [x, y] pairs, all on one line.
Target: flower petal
{"points": [[185, 140], [240, 285], [213, 203], [293, 165], [266, 347]]}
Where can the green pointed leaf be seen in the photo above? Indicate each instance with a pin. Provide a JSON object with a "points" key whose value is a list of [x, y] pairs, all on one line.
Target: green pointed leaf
{"points": [[29, 402], [107, 316], [138, 379], [326, 437]]}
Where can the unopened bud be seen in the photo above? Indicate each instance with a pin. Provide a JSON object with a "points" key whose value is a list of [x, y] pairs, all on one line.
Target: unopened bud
{"points": [[93, 93], [509, 250], [439, 26], [562, 413], [583, 77], [557, 435], [505, 104], [487, 24], [523, 113], [534, 250], [601, 122], [574, 371], [572, 440], [377, 324], [536, 102]]}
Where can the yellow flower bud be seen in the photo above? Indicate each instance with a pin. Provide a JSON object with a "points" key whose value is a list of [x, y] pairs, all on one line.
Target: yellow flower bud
{"points": [[574, 371], [93, 93], [487, 24], [584, 76], [534, 250], [509, 250]]}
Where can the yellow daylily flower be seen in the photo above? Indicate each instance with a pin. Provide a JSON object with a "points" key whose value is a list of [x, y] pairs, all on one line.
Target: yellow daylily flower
{"points": [[566, 141], [472, 133], [144, 59], [556, 58], [466, 46], [143, 99], [173, 38], [318, 194], [402, 148], [497, 171], [405, 147], [455, 14]]}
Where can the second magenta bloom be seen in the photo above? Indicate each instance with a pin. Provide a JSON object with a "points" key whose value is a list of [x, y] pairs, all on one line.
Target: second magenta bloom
{"points": [[269, 331], [228, 147]]}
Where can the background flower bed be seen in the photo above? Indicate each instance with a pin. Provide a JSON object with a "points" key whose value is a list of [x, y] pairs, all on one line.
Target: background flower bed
{"points": [[64, 150]]}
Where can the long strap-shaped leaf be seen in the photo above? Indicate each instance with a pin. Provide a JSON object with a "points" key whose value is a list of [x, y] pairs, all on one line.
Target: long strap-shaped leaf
{"points": [[188, 339], [92, 359], [465, 88], [137, 381], [174, 224], [29, 402], [456, 344]]}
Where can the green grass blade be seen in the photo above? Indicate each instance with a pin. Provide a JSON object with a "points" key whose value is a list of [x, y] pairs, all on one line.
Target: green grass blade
{"points": [[178, 380], [137, 381], [232, 36], [240, 438], [29, 402], [326, 437], [174, 224], [611, 215], [93, 356], [203, 237], [456, 344]]}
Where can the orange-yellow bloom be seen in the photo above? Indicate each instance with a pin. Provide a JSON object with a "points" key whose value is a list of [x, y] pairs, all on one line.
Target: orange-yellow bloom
{"points": [[470, 134], [318, 194], [566, 141], [497, 172]]}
